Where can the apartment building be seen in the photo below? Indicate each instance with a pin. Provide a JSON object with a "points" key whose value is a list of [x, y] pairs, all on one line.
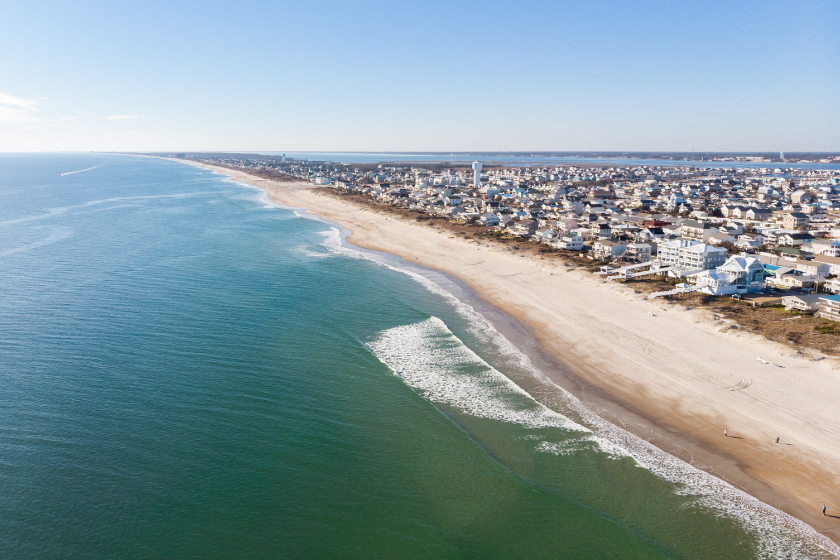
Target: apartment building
{"points": [[691, 254]]}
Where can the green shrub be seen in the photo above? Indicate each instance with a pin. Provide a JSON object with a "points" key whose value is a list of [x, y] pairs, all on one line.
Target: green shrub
{"points": [[827, 329]]}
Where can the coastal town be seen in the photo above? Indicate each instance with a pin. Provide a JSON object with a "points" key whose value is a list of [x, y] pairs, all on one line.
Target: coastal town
{"points": [[769, 236], [706, 363]]}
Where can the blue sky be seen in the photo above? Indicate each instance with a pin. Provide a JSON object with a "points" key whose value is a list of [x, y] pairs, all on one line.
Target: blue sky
{"points": [[431, 76]]}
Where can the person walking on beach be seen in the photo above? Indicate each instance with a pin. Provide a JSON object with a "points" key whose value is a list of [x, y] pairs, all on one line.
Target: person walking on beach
{"points": [[823, 509], [726, 433], [777, 440]]}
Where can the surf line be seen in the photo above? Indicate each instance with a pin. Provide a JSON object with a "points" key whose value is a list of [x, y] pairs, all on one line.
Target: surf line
{"points": [[79, 171]]}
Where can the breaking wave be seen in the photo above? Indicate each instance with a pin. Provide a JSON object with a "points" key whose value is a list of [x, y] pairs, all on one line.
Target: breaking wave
{"points": [[490, 394], [436, 364]]}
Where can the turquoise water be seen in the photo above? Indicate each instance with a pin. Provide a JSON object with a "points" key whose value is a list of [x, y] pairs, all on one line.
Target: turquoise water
{"points": [[187, 370]]}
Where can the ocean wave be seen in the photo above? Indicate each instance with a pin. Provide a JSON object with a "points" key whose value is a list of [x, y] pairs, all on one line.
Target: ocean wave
{"points": [[263, 199], [441, 368], [779, 534]]}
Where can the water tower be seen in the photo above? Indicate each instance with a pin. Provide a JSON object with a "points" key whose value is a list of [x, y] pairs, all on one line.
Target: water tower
{"points": [[476, 165]]}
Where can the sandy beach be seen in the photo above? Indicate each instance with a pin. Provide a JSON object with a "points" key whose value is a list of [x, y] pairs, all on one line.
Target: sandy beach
{"points": [[673, 376]]}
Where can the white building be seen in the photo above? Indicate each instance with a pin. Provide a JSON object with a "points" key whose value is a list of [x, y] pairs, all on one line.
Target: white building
{"points": [[476, 165], [738, 275], [569, 243], [691, 255], [826, 247]]}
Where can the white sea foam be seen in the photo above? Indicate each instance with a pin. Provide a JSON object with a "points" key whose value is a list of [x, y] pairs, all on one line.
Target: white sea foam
{"points": [[332, 239], [65, 210], [263, 197], [780, 535], [439, 367], [56, 236], [436, 364], [79, 171]]}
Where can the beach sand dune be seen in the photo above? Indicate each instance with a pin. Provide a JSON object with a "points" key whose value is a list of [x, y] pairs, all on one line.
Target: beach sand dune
{"points": [[675, 377]]}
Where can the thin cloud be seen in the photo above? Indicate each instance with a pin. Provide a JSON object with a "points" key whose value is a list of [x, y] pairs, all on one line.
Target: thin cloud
{"points": [[121, 117], [70, 118], [14, 110]]}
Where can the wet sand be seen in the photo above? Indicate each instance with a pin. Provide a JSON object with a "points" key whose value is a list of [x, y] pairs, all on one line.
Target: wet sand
{"points": [[674, 377]]}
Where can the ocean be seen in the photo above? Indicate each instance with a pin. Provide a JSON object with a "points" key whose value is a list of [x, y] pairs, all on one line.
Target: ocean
{"points": [[189, 370]]}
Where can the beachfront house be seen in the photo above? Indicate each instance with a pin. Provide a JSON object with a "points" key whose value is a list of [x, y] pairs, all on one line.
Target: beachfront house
{"points": [[525, 228], [605, 250], [829, 307], [689, 254], [738, 275], [832, 286], [807, 303], [638, 252], [568, 242]]}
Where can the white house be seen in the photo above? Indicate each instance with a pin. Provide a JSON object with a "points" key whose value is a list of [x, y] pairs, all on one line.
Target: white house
{"points": [[813, 268], [607, 250], [675, 200], [694, 229], [690, 254], [826, 247], [721, 238], [832, 286], [638, 252], [569, 243], [808, 303], [738, 275], [832, 262]]}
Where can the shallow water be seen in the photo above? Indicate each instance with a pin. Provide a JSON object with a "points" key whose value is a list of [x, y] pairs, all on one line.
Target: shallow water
{"points": [[189, 370]]}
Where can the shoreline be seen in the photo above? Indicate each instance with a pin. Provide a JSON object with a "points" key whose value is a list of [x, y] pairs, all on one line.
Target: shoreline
{"points": [[644, 374]]}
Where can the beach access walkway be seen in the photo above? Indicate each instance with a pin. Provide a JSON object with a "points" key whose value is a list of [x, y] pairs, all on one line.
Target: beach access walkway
{"points": [[633, 270]]}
